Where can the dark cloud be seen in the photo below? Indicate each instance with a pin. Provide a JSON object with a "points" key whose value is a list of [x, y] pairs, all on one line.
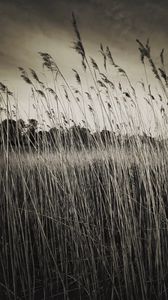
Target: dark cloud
{"points": [[100, 13], [117, 22]]}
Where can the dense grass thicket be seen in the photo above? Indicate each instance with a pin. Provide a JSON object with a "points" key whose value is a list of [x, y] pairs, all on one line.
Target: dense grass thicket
{"points": [[86, 221]]}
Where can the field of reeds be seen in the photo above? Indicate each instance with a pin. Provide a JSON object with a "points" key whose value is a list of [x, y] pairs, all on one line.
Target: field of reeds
{"points": [[84, 208]]}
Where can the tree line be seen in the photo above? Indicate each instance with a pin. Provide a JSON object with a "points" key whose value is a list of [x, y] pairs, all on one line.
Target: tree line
{"points": [[18, 135]]}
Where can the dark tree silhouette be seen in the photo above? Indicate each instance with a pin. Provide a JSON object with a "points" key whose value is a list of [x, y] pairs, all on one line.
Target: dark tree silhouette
{"points": [[11, 132], [56, 137], [25, 137], [43, 140], [78, 137], [31, 133]]}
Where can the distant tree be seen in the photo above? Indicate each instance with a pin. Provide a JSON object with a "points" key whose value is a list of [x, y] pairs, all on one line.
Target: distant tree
{"points": [[43, 141], [78, 137], [106, 137], [31, 133], [56, 137], [11, 133]]}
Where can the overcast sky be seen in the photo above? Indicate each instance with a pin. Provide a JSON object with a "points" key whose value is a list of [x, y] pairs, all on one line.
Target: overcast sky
{"points": [[26, 25], [29, 26]]}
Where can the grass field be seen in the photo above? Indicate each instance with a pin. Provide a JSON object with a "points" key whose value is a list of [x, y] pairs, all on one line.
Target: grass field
{"points": [[88, 223]]}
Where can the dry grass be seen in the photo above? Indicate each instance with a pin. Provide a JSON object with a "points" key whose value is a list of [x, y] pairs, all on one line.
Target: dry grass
{"points": [[87, 224], [91, 222]]}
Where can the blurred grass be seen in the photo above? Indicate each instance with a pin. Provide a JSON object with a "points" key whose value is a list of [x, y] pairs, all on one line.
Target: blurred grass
{"points": [[94, 222]]}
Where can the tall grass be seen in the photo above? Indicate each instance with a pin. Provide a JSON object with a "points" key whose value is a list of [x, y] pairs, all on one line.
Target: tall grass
{"points": [[88, 224]]}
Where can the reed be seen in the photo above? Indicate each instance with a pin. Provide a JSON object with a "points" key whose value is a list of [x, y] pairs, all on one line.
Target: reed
{"points": [[86, 222]]}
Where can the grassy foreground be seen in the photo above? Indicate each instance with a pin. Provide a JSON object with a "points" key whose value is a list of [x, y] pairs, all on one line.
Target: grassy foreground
{"points": [[85, 225]]}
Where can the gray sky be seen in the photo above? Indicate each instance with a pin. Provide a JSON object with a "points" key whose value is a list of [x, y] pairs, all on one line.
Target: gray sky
{"points": [[25, 26], [29, 26]]}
